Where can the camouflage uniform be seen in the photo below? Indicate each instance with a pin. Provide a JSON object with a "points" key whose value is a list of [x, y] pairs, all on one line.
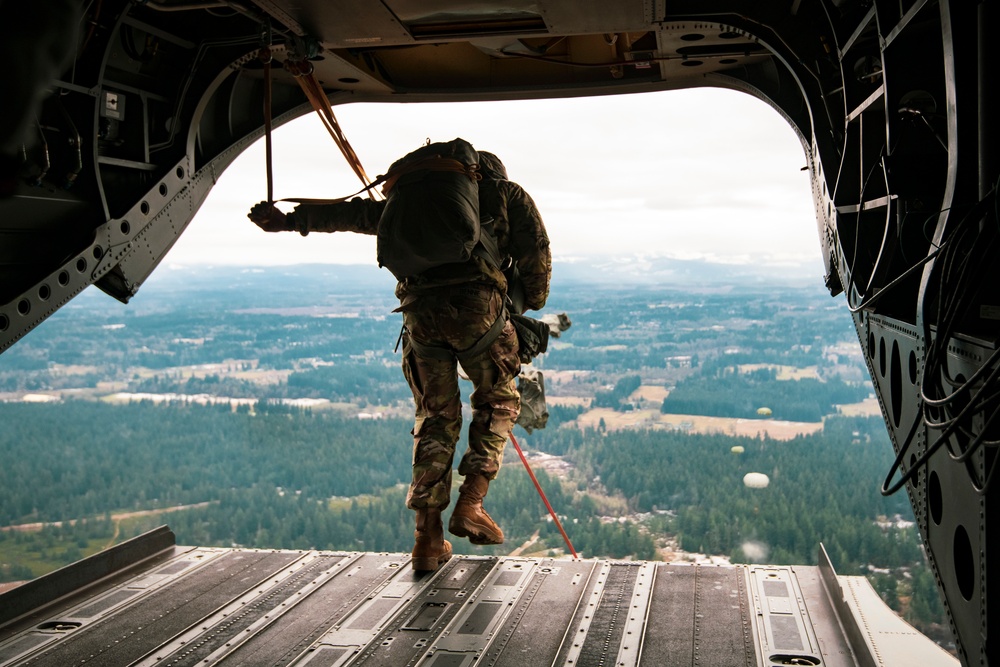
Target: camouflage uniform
{"points": [[450, 308]]}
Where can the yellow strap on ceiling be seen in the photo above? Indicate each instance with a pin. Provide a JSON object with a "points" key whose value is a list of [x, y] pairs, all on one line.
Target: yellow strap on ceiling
{"points": [[305, 75]]}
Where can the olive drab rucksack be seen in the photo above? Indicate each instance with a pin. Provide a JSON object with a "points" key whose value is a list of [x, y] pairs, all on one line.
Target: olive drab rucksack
{"points": [[431, 214]]}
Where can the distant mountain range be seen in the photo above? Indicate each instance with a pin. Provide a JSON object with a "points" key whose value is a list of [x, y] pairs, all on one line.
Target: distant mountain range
{"points": [[665, 271], [225, 288], [669, 271]]}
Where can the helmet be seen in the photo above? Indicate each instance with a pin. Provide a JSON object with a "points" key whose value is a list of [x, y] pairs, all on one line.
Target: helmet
{"points": [[491, 167]]}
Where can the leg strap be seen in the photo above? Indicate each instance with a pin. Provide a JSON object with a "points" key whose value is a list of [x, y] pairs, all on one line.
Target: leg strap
{"points": [[444, 353]]}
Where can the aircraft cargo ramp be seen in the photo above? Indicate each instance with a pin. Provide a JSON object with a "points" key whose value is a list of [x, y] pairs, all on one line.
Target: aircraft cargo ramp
{"points": [[150, 602]]}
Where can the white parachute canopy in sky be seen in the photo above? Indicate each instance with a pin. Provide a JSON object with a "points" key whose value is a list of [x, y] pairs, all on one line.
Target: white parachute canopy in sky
{"points": [[737, 449], [756, 480]]}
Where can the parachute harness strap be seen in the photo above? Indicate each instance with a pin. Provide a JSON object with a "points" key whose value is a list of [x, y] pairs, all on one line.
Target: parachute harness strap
{"points": [[432, 163], [443, 353], [541, 493]]}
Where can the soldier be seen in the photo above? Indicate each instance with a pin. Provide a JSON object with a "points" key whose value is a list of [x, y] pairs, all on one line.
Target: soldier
{"points": [[452, 314]]}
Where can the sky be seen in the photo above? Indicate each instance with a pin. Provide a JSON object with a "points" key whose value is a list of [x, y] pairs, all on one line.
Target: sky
{"points": [[691, 174]]}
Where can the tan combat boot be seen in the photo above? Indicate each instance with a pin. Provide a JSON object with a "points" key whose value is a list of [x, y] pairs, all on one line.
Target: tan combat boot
{"points": [[430, 549], [469, 518]]}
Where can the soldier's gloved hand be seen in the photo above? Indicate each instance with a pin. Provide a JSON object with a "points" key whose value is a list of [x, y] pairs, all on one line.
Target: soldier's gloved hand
{"points": [[268, 218]]}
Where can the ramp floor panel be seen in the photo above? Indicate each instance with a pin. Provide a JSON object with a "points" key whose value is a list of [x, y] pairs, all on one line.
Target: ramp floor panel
{"points": [[295, 631], [122, 638], [209, 606]]}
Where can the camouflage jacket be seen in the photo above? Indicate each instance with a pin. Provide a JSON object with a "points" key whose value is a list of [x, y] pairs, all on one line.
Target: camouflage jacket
{"points": [[517, 223]]}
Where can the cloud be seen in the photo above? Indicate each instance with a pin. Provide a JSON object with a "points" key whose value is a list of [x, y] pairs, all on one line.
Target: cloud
{"points": [[710, 173]]}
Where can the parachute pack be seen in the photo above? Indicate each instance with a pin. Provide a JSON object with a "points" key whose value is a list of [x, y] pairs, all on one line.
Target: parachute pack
{"points": [[431, 214]]}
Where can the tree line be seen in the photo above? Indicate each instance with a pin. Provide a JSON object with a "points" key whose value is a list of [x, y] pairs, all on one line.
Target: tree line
{"points": [[83, 458], [88, 458], [730, 393]]}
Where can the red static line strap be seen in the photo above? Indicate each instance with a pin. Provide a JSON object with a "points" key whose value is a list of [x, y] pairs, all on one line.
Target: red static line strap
{"points": [[541, 493]]}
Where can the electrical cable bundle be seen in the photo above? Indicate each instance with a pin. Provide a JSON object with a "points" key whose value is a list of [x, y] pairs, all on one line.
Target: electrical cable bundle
{"points": [[948, 404]]}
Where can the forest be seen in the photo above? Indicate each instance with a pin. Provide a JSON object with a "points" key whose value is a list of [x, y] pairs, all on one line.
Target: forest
{"points": [[728, 393], [265, 474], [147, 456]]}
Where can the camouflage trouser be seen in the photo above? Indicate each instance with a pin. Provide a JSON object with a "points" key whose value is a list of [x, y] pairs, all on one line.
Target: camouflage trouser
{"points": [[456, 318]]}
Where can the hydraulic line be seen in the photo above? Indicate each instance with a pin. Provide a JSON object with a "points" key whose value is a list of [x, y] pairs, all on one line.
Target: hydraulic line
{"points": [[957, 269], [75, 144], [46, 161]]}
